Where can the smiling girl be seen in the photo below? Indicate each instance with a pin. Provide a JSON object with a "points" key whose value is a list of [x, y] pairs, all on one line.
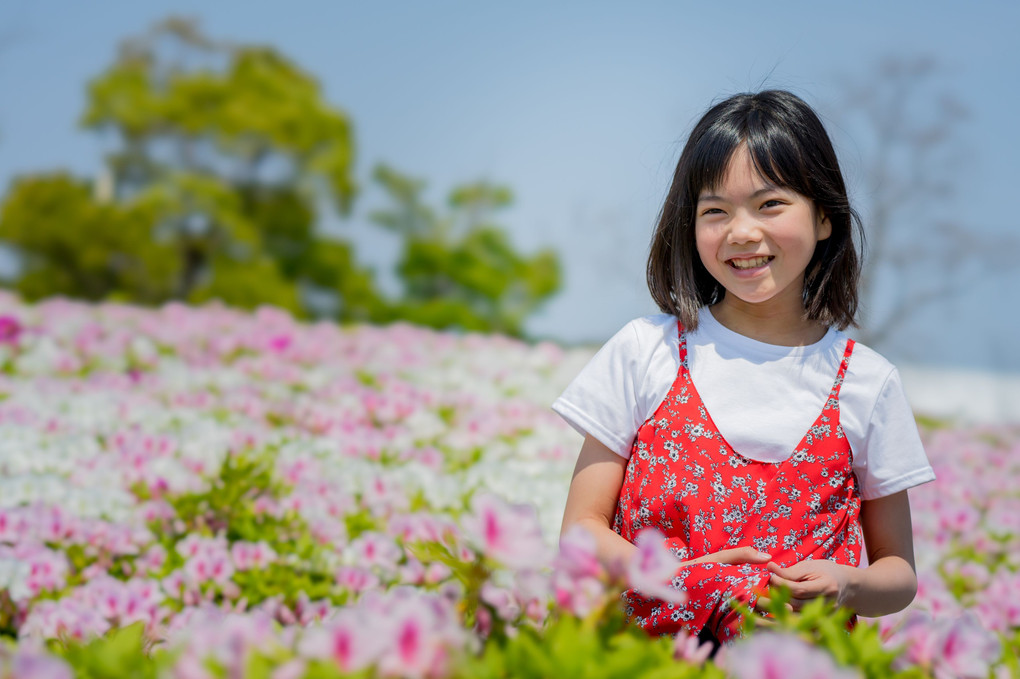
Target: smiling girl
{"points": [[742, 423]]}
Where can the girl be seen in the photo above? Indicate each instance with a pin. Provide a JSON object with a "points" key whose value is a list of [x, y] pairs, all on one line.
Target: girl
{"points": [[742, 423]]}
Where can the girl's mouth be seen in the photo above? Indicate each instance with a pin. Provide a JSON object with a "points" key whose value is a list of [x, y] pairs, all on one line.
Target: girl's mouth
{"points": [[750, 262]]}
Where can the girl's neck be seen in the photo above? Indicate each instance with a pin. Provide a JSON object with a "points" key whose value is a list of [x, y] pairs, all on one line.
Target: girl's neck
{"points": [[782, 327]]}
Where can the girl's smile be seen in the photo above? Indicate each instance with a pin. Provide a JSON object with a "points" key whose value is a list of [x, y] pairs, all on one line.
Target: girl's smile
{"points": [[750, 264]]}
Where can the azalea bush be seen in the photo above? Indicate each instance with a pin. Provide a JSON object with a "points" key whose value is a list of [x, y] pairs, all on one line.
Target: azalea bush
{"points": [[202, 492]]}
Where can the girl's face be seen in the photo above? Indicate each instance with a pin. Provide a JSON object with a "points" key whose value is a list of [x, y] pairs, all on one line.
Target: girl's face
{"points": [[756, 239]]}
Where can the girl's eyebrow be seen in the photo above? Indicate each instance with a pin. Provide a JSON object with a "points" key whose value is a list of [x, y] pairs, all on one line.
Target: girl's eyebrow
{"points": [[768, 188]]}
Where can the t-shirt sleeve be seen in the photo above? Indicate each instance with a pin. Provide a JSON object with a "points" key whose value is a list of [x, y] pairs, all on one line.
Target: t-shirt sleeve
{"points": [[893, 458], [605, 400]]}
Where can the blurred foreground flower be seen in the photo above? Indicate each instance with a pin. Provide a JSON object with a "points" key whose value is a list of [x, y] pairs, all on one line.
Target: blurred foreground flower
{"points": [[653, 567], [781, 656]]}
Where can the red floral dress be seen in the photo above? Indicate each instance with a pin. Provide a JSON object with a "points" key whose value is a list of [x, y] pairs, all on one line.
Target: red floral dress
{"points": [[684, 479]]}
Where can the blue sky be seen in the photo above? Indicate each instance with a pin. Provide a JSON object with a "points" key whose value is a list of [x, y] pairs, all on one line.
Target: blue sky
{"points": [[581, 108]]}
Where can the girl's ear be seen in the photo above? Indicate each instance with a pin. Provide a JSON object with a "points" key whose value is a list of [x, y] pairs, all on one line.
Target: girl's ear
{"points": [[824, 226]]}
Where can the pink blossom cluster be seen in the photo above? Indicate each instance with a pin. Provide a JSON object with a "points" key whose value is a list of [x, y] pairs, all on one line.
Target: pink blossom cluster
{"points": [[402, 632], [382, 439], [967, 544], [32, 661], [100, 604], [950, 647], [781, 656]]}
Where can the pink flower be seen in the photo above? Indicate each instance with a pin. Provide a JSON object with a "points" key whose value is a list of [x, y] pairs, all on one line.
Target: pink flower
{"points": [[689, 649], [47, 568], [248, 555], [227, 638], [653, 566], [10, 329], [509, 534], [580, 596], [346, 640], [436, 572], [29, 661], [956, 648], [204, 567], [769, 655], [153, 559], [577, 556], [501, 600], [998, 605], [279, 343], [356, 579], [68, 617], [371, 549], [415, 648], [308, 611]]}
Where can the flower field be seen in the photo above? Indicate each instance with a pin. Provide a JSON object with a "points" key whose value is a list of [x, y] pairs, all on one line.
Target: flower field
{"points": [[202, 492]]}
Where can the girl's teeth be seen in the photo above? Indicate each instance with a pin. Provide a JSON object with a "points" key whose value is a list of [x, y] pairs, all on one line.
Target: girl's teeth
{"points": [[749, 263]]}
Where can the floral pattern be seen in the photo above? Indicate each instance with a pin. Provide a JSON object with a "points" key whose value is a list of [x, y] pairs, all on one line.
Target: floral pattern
{"points": [[684, 479]]}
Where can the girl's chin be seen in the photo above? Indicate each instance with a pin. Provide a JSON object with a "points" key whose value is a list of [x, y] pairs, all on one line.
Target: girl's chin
{"points": [[761, 299]]}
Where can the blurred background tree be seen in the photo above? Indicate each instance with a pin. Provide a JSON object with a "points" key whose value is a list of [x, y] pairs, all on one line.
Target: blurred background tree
{"points": [[460, 269], [919, 253], [227, 158]]}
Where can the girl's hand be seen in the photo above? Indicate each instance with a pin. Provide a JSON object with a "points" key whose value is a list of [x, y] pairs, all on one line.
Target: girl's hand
{"points": [[734, 555], [811, 579]]}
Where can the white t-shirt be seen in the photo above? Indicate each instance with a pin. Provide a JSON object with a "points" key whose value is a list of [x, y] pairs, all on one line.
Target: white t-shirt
{"points": [[762, 397]]}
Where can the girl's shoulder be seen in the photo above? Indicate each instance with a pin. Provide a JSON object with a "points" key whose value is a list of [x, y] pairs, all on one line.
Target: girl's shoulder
{"points": [[866, 364], [872, 392], [654, 325], [646, 334]]}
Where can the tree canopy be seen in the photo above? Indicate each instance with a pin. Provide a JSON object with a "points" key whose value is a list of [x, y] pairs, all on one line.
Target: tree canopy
{"points": [[226, 158]]}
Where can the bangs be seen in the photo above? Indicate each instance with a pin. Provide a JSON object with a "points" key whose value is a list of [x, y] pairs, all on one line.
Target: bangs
{"points": [[775, 153]]}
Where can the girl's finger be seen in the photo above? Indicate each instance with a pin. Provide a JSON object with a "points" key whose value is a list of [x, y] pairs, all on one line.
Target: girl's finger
{"points": [[788, 573], [798, 589], [780, 581]]}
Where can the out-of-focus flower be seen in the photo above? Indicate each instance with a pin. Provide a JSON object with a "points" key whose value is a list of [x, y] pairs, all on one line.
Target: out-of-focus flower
{"points": [[653, 566], [959, 647], [768, 655], [689, 649], [509, 534], [346, 640], [31, 661], [10, 329], [248, 555], [577, 556]]}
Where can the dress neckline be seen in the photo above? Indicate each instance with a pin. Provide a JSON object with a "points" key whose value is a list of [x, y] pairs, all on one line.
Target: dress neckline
{"points": [[831, 402]]}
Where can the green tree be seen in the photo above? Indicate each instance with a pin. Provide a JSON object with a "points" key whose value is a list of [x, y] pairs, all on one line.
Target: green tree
{"points": [[225, 158], [460, 269], [222, 153], [72, 244]]}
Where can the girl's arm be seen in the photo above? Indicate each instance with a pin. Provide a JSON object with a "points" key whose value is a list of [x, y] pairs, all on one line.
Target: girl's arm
{"points": [[887, 585], [591, 503]]}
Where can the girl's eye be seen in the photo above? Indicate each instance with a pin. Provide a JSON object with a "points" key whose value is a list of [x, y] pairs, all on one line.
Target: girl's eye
{"points": [[771, 203], [711, 211]]}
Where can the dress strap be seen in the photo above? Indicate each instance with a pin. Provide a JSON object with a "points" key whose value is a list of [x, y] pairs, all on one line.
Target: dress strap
{"points": [[682, 336], [842, 368]]}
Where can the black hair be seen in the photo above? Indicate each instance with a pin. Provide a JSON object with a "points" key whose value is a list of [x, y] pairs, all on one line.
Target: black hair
{"points": [[789, 146]]}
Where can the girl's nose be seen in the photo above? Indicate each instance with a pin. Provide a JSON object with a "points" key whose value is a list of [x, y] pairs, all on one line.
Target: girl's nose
{"points": [[743, 229]]}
